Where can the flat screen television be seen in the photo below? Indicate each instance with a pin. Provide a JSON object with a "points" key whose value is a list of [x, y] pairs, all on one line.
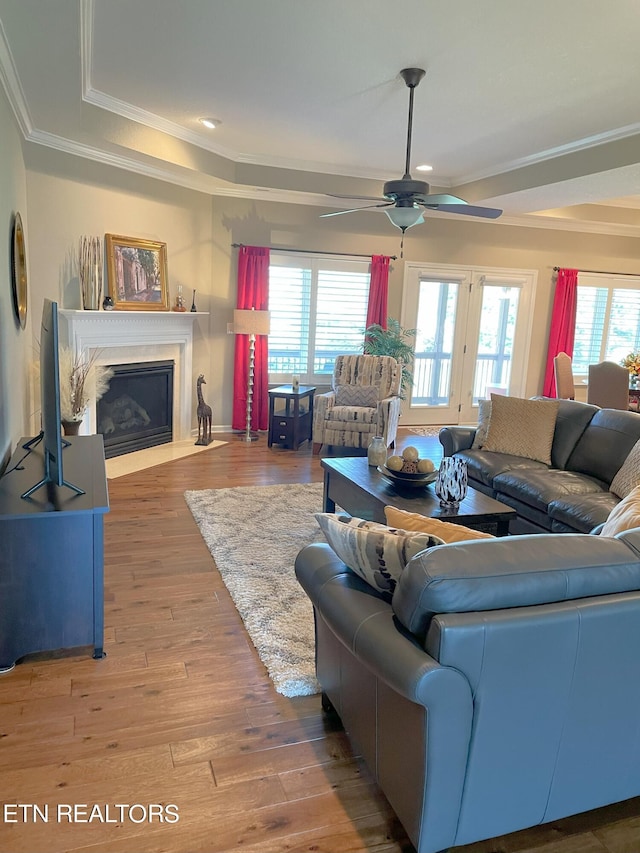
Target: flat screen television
{"points": [[50, 435]]}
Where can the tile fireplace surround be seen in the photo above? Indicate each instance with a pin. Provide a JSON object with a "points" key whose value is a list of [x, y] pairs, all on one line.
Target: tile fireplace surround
{"points": [[127, 337]]}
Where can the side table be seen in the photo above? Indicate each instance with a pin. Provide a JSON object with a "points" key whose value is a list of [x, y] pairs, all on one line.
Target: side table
{"points": [[291, 424]]}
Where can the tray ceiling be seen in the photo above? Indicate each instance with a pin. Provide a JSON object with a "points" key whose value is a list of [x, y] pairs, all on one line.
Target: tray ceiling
{"points": [[532, 107]]}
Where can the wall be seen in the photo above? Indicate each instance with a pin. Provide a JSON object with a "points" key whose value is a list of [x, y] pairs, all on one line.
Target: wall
{"points": [[450, 240], [69, 196], [15, 344]]}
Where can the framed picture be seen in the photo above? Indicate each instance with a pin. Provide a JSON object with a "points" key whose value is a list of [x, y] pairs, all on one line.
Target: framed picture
{"points": [[137, 274]]}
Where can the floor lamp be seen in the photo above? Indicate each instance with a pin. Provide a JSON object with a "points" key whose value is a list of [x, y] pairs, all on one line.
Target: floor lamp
{"points": [[250, 322]]}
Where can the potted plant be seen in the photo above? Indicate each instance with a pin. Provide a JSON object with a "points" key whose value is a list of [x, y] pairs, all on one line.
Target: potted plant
{"points": [[396, 342], [81, 383]]}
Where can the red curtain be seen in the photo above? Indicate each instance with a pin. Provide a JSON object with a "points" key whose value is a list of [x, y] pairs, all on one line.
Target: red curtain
{"points": [[378, 291], [253, 292], [563, 324]]}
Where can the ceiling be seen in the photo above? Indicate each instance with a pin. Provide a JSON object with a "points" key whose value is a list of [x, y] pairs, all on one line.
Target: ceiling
{"points": [[530, 106]]}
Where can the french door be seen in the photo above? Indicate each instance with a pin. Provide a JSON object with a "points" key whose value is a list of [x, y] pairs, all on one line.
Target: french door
{"points": [[473, 332]]}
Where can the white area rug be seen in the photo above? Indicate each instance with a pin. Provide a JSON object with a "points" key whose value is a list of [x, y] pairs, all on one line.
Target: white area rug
{"points": [[254, 535]]}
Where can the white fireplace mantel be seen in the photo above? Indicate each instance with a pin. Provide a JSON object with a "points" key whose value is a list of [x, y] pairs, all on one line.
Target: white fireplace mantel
{"points": [[127, 337]]}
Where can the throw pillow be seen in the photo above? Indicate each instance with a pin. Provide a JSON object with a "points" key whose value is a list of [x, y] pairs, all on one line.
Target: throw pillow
{"points": [[484, 416], [445, 530], [624, 516], [522, 427], [628, 476], [375, 552], [357, 395]]}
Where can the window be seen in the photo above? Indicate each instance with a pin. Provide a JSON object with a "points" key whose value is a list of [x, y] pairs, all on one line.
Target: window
{"points": [[607, 319], [318, 311], [474, 327]]}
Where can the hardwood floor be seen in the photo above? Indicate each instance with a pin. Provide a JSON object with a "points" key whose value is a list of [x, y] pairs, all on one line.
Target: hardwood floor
{"points": [[181, 711]]}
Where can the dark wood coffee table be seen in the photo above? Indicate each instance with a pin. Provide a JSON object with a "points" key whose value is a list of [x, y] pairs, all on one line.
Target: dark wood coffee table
{"points": [[363, 492]]}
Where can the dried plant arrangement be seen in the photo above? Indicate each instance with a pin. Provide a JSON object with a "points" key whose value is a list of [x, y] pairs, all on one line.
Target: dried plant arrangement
{"points": [[90, 271], [82, 381]]}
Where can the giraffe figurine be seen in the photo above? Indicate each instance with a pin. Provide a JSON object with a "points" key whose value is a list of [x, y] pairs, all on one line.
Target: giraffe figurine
{"points": [[204, 415]]}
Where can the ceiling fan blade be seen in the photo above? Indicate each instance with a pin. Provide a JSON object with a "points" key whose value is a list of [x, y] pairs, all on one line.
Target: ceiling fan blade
{"points": [[356, 197], [441, 198], [466, 209], [355, 209]]}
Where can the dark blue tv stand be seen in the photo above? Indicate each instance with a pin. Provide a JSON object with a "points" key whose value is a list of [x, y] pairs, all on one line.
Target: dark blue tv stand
{"points": [[52, 554]]}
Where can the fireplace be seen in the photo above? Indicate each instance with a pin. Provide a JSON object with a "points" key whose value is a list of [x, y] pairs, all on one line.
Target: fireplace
{"points": [[137, 410], [120, 337]]}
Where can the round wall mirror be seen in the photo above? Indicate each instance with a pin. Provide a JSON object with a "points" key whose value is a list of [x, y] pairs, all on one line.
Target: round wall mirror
{"points": [[19, 271]]}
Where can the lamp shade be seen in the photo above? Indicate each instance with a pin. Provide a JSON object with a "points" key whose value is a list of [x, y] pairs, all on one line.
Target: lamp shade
{"points": [[404, 217], [251, 322]]}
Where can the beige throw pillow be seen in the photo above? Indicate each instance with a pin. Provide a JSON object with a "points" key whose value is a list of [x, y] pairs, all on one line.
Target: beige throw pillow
{"points": [[522, 427], [628, 476], [445, 530], [624, 516], [484, 417]]}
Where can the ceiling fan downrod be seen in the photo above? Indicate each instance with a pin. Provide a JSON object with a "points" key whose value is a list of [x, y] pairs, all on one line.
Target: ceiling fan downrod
{"points": [[411, 76]]}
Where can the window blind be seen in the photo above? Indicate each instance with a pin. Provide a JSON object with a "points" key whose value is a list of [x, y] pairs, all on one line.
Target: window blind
{"points": [[318, 311], [607, 321]]}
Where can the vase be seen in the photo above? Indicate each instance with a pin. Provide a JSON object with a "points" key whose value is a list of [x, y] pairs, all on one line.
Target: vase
{"points": [[377, 451], [451, 482], [90, 272], [71, 427]]}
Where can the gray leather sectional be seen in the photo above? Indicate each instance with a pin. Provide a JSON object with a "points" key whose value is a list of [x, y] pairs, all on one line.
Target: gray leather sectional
{"points": [[498, 689], [589, 446]]}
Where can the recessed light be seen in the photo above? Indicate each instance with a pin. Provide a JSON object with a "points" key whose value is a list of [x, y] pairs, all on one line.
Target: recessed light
{"points": [[211, 123], [424, 168]]}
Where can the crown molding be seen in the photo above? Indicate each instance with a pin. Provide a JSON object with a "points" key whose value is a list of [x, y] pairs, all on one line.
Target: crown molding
{"points": [[551, 153], [533, 220], [189, 180], [194, 137], [206, 184], [12, 86]]}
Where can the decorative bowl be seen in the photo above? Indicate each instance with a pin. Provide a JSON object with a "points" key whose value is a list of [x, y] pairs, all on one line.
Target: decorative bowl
{"points": [[403, 478]]}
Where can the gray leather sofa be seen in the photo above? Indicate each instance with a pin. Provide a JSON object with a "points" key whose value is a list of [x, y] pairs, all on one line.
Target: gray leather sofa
{"points": [[499, 688], [589, 446]]}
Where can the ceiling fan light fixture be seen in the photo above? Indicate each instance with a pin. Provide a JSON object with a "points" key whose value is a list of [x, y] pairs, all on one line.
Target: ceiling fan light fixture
{"points": [[404, 217]]}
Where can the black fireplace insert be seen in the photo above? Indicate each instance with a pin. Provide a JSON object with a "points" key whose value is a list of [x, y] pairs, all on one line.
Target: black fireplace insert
{"points": [[137, 410]]}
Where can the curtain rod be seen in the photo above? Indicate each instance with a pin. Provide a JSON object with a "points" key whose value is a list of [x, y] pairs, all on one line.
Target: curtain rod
{"points": [[602, 272], [314, 252]]}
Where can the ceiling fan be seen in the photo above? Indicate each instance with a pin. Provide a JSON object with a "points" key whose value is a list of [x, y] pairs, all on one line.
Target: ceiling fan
{"points": [[405, 199]]}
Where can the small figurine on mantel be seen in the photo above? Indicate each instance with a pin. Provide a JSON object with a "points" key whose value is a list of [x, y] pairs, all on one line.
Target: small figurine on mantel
{"points": [[204, 415]]}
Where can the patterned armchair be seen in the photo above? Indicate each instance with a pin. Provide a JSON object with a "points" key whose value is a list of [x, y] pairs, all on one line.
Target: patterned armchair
{"points": [[364, 402]]}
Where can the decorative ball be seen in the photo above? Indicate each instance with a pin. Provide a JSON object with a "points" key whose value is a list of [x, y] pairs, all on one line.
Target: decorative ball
{"points": [[409, 467], [395, 463], [425, 466], [410, 454]]}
